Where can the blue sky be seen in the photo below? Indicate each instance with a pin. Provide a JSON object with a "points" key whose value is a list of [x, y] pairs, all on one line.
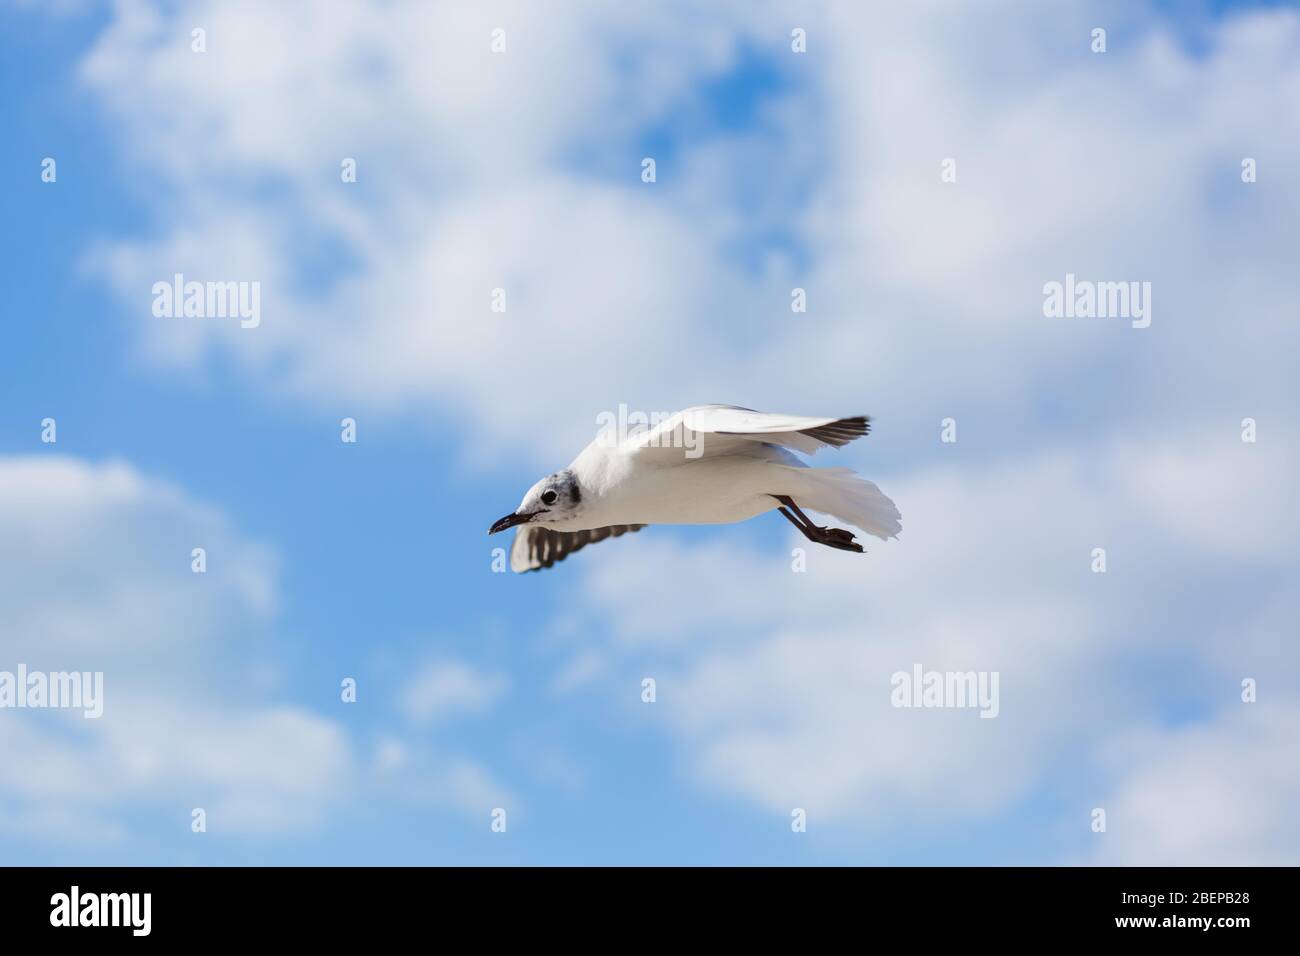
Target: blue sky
{"points": [[776, 170]]}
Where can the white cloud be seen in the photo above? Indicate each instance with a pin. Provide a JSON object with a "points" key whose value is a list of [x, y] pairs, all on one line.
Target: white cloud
{"points": [[1222, 792], [418, 777], [99, 578], [520, 171], [254, 769], [580, 670], [124, 542], [442, 689], [473, 176], [96, 576]]}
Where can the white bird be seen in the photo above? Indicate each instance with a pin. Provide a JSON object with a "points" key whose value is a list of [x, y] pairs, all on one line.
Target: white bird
{"points": [[712, 464]]}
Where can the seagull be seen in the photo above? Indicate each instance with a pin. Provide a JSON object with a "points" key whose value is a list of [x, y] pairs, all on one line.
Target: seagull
{"points": [[711, 464]]}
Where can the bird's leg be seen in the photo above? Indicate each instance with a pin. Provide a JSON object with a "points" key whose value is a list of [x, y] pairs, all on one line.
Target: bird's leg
{"points": [[807, 531], [789, 503], [831, 537]]}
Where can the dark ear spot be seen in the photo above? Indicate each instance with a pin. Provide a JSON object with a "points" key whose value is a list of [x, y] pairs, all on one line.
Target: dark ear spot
{"points": [[575, 493]]}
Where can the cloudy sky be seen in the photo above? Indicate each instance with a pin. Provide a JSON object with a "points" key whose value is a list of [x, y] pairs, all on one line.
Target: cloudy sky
{"points": [[922, 171]]}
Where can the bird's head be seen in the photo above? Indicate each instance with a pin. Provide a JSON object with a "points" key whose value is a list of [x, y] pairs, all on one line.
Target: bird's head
{"points": [[554, 500]]}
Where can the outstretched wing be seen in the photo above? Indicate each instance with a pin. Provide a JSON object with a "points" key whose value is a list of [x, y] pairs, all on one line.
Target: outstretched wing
{"points": [[717, 429], [537, 547]]}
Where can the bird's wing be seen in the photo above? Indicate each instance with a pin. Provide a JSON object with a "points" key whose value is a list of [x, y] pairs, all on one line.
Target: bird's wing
{"points": [[537, 547], [718, 429]]}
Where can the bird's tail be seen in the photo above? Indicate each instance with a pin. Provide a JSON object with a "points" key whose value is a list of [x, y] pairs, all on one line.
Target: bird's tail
{"points": [[841, 493]]}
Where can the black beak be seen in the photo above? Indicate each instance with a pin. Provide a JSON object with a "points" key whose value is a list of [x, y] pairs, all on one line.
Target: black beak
{"points": [[509, 521]]}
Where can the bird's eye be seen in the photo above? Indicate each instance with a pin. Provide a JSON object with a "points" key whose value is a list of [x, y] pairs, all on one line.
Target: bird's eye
{"points": [[548, 497]]}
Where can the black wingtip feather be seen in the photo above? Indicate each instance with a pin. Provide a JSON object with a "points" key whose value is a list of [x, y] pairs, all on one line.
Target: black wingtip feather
{"points": [[841, 432]]}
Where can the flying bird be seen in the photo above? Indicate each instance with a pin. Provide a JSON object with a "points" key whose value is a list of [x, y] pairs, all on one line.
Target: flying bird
{"points": [[712, 464]]}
